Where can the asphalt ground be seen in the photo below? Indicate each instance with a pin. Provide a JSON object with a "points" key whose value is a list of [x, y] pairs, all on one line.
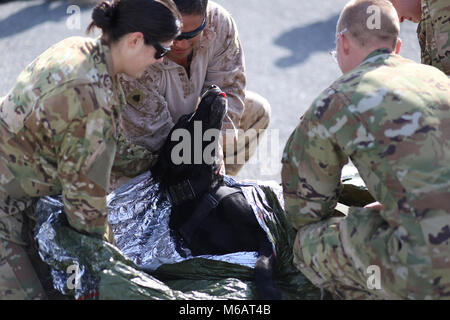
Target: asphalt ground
{"points": [[286, 44]]}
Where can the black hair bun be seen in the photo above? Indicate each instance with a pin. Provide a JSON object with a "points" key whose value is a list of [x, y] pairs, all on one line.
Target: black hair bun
{"points": [[103, 15]]}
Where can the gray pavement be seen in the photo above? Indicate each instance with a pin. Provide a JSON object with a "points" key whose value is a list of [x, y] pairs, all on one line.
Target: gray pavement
{"points": [[286, 45]]}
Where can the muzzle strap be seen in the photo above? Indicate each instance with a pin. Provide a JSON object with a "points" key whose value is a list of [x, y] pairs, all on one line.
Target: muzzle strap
{"points": [[181, 192]]}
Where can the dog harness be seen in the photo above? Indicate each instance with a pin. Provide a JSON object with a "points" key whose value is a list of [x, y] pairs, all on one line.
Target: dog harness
{"points": [[209, 202]]}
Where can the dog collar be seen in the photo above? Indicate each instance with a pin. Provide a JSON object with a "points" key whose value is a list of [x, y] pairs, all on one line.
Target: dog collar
{"points": [[181, 192]]}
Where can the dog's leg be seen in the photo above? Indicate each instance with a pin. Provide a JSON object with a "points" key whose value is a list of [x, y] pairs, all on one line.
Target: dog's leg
{"points": [[264, 276]]}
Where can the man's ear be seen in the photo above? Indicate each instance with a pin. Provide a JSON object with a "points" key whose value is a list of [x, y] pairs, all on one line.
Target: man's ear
{"points": [[398, 46], [344, 43]]}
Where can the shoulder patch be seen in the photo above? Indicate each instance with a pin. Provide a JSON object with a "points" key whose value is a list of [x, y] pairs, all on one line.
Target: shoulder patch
{"points": [[136, 98]]}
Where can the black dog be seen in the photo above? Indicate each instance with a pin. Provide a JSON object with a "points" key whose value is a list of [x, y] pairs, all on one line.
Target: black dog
{"points": [[210, 217]]}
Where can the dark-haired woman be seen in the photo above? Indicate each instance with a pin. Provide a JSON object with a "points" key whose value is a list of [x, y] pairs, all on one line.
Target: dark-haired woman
{"points": [[58, 127]]}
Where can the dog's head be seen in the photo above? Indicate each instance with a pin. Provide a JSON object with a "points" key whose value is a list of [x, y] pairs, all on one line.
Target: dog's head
{"points": [[211, 110], [190, 149]]}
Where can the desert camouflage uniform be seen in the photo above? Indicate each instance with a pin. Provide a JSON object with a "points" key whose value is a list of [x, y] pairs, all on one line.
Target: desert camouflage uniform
{"points": [[391, 117], [434, 34], [166, 92], [58, 133]]}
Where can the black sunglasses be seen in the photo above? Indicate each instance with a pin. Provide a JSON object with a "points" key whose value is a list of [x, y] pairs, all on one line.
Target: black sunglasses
{"points": [[160, 50], [192, 34]]}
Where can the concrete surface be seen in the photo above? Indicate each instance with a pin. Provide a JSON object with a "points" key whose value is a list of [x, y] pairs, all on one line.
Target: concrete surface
{"points": [[286, 45]]}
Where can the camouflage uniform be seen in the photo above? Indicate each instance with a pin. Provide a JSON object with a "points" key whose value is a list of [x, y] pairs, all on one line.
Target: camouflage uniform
{"points": [[166, 92], [58, 133], [391, 117], [434, 34]]}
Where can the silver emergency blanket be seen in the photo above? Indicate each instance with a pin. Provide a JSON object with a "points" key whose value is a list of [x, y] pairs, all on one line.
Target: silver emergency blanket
{"points": [[146, 253], [139, 216]]}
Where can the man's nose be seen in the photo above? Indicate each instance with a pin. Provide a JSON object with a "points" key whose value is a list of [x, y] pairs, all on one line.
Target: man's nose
{"points": [[181, 44]]}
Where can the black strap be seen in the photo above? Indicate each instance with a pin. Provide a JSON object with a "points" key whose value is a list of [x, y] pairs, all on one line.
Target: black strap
{"points": [[207, 204]]}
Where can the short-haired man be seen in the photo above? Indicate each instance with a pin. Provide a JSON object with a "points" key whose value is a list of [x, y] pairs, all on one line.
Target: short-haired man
{"points": [[433, 17], [391, 117], [207, 52]]}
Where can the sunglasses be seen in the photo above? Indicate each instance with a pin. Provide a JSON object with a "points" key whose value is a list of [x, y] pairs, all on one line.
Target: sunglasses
{"points": [[192, 34], [333, 53], [160, 50]]}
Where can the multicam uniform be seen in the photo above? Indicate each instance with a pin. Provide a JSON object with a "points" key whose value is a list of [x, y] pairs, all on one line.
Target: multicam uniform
{"points": [[166, 92], [391, 117], [58, 133], [434, 34]]}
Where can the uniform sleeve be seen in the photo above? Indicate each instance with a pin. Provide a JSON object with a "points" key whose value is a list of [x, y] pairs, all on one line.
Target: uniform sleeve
{"points": [[440, 20], [146, 120], [85, 153], [311, 173], [434, 34], [227, 70]]}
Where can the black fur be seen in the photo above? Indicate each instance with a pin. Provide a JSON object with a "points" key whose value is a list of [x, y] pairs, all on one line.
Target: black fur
{"points": [[232, 225]]}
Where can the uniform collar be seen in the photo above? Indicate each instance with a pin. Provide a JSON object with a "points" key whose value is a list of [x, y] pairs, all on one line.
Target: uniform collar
{"points": [[374, 55], [104, 47], [117, 87]]}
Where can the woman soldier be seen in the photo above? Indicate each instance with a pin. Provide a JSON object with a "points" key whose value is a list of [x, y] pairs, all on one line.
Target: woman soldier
{"points": [[58, 127]]}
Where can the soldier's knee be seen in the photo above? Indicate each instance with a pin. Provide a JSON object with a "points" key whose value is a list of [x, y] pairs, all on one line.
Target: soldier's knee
{"points": [[253, 123], [18, 279], [257, 112], [298, 258]]}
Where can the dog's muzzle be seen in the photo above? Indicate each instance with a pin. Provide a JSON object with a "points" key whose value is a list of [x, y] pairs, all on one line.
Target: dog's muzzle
{"points": [[180, 193]]}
